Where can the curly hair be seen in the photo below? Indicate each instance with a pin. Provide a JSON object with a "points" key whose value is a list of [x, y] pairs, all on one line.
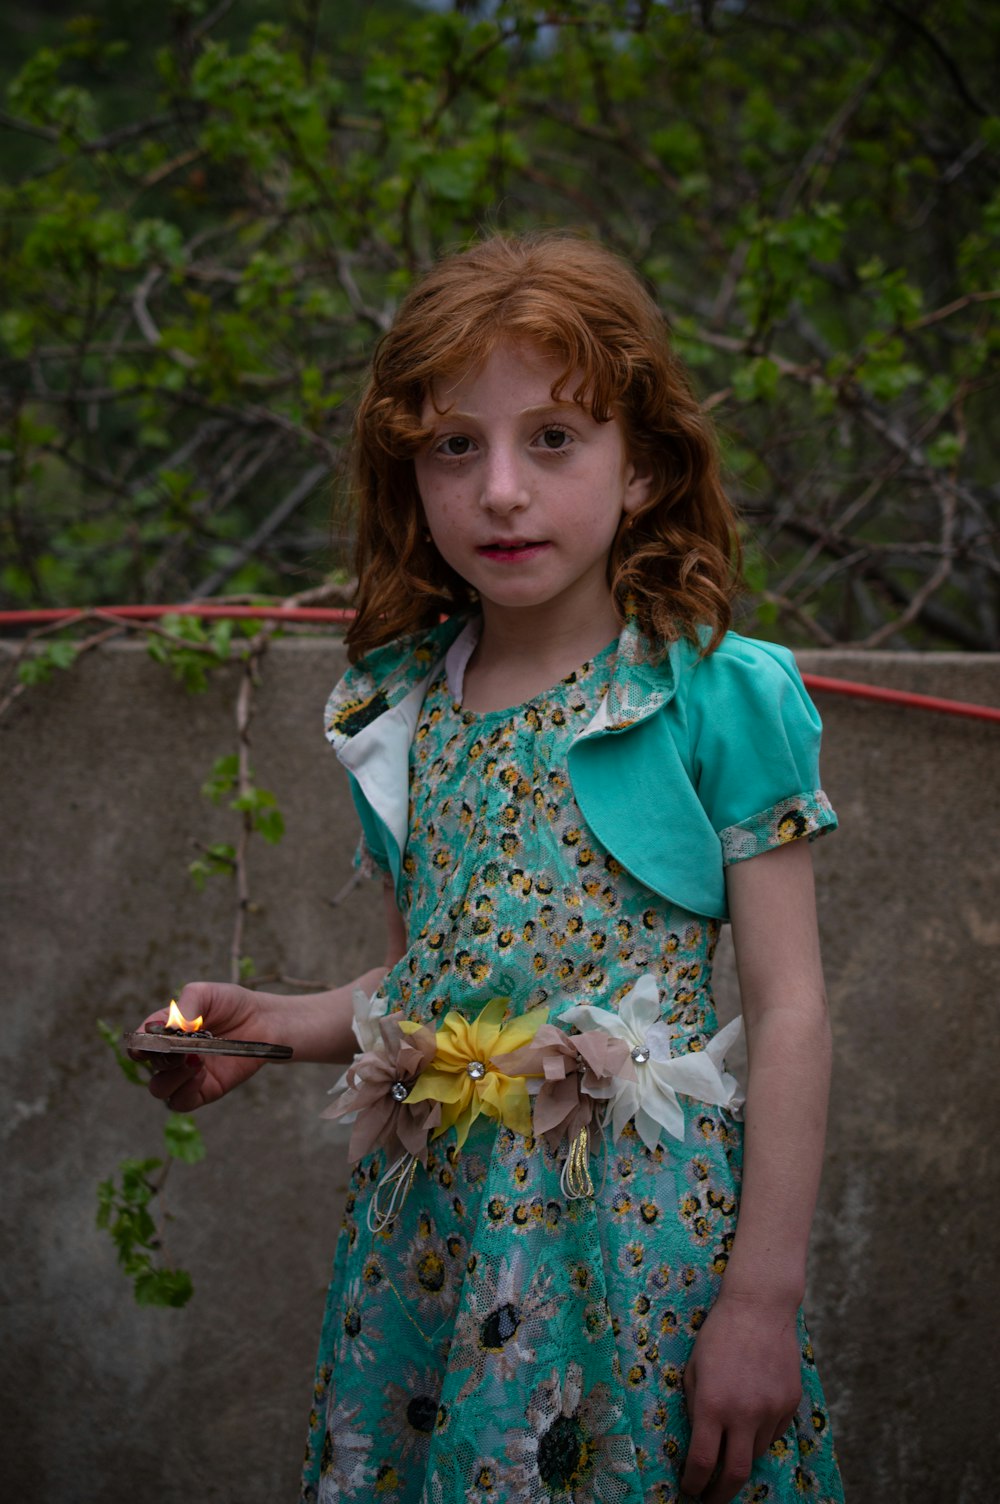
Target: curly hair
{"points": [[675, 562]]}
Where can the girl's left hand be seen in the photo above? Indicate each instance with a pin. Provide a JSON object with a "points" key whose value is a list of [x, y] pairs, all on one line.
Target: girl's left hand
{"points": [[742, 1385]]}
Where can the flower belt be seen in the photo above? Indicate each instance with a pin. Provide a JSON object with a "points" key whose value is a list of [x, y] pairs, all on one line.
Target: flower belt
{"points": [[411, 1083]]}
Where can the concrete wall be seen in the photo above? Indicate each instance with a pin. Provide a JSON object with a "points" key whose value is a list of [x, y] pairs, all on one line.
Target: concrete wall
{"points": [[100, 789]]}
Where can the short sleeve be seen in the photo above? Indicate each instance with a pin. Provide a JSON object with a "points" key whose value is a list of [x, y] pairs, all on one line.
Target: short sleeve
{"points": [[755, 739]]}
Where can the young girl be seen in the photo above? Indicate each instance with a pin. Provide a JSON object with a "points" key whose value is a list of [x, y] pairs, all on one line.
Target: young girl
{"points": [[550, 1284]]}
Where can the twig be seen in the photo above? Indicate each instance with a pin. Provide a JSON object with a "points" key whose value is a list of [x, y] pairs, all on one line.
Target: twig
{"points": [[271, 523], [29, 127], [244, 715], [352, 882], [207, 22], [968, 301], [145, 320], [931, 585], [29, 641], [906, 16]]}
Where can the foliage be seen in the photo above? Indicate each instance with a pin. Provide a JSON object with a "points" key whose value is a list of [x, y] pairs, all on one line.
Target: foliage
{"points": [[39, 668], [213, 225], [188, 648], [124, 1207], [260, 804]]}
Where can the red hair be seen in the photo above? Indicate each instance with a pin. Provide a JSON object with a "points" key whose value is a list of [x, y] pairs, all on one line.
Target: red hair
{"points": [[675, 561]]}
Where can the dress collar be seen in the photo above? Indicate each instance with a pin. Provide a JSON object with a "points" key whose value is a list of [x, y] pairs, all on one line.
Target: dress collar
{"points": [[382, 679], [640, 684]]}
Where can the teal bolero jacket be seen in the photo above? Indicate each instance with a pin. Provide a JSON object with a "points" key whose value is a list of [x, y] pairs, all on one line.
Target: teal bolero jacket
{"points": [[689, 765]]}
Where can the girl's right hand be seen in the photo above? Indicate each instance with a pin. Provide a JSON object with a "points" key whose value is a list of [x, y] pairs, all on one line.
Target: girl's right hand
{"points": [[186, 1082]]}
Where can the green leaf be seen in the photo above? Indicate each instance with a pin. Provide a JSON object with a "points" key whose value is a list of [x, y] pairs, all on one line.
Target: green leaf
{"points": [[270, 824], [217, 860], [105, 1203], [40, 666], [223, 778], [162, 1287], [183, 1139], [757, 379], [220, 638], [945, 451], [131, 1069]]}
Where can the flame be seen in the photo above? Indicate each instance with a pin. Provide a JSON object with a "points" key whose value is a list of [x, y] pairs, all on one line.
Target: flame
{"points": [[176, 1020]]}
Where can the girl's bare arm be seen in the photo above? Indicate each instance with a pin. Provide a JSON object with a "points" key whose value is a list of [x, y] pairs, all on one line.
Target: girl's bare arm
{"points": [[317, 1025], [743, 1379]]}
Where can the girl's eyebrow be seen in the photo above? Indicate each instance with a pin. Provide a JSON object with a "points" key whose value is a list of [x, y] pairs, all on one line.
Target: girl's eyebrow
{"points": [[452, 415]]}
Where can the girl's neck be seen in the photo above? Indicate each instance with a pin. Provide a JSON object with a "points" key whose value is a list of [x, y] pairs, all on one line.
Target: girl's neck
{"points": [[518, 656]]}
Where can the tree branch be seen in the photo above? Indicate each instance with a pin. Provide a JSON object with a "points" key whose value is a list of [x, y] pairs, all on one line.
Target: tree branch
{"points": [[271, 523]]}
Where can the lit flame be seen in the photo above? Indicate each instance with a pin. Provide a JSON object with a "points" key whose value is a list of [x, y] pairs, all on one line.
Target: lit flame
{"points": [[176, 1020]]}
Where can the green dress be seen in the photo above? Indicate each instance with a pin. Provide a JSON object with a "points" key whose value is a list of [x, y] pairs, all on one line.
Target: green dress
{"points": [[499, 1341]]}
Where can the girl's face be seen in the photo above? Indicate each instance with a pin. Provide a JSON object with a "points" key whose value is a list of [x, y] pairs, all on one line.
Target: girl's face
{"points": [[522, 494]]}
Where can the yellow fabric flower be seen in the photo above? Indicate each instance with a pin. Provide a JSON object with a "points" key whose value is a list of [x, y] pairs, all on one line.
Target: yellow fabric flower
{"points": [[462, 1078]]}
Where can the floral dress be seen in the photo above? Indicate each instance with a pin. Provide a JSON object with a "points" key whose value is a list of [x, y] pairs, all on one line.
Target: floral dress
{"points": [[497, 1340]]}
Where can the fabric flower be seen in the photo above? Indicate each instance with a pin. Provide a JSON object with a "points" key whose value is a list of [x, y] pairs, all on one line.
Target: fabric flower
{"points": [[365, 1024], [660, 1075], [367, 1013], [463, 1076], [575, 1071], [379, 1093]]}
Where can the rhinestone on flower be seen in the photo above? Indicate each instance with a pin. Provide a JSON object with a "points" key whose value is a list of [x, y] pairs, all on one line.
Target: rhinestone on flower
{"points": [[399, 1091], [476, 1069], [640, 1054]]}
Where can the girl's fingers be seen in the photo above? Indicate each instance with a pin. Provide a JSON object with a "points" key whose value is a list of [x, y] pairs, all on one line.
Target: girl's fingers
{"points": [[167, 1080], [702, 1456], [782, 1426], [189, 1095], [737, 1463]]}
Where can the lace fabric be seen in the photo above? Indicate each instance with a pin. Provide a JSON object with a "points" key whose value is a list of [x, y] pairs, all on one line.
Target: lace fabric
{"points": [[498, 1340]]}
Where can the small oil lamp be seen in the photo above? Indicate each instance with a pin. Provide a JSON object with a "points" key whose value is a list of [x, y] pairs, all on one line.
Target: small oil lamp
{"points": [[176, 1023], [188, 1036]]}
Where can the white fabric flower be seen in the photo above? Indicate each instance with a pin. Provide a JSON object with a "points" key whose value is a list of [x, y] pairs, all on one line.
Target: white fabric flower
{"points": [[367, 1012], [652, 1098]]}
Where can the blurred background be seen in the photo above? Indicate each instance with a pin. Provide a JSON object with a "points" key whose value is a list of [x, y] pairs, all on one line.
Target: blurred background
{"points": [[210, 211]]}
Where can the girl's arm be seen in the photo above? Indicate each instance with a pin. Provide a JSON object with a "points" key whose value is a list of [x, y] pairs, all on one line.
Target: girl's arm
{"points": [[743, 1378], [317, 1025]]}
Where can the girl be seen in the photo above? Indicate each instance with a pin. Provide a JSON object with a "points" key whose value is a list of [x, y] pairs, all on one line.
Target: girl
{"points": [[550, 1284]]}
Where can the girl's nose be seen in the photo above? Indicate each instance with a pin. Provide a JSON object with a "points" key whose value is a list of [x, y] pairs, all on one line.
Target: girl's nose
{"points": [[504, 489]]}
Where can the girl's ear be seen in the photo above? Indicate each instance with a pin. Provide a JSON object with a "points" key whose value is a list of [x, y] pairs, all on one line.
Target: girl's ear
{"points": [[638, 487]]}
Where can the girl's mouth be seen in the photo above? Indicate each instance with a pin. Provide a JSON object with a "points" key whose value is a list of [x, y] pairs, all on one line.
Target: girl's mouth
{"points": [[508, 553]]}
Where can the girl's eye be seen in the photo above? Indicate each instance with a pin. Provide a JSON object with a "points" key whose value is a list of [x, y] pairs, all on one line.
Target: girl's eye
{"points": [[456, 446], [554, 438]]}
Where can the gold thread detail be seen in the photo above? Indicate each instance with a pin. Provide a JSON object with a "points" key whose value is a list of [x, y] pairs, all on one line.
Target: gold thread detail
{"points": [[576, 1182]]}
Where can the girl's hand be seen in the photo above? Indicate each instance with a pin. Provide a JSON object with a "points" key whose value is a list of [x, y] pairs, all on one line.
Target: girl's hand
{"points": [[742, 1385], [186, 1082]]}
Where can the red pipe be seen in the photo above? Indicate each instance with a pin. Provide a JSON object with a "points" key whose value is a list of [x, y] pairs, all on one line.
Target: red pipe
{"points": [[900, 697], [332, 614]]}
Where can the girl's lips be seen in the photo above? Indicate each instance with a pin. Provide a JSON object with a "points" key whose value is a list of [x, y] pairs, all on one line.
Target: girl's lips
{"points": [[509, 552]]}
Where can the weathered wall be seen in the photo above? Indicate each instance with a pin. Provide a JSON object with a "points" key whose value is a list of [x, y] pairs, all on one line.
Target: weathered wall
{"points": [[100, 790]]}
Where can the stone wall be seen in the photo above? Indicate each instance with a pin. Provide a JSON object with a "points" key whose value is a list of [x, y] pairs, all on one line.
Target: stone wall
{"points": [[104, 1401]]}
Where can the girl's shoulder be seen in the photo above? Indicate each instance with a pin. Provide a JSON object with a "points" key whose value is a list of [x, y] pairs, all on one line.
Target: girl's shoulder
{"points": [[746, 677], [743, 677], [747, 684], [383, 677], [737, 655], [414, 653]]}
